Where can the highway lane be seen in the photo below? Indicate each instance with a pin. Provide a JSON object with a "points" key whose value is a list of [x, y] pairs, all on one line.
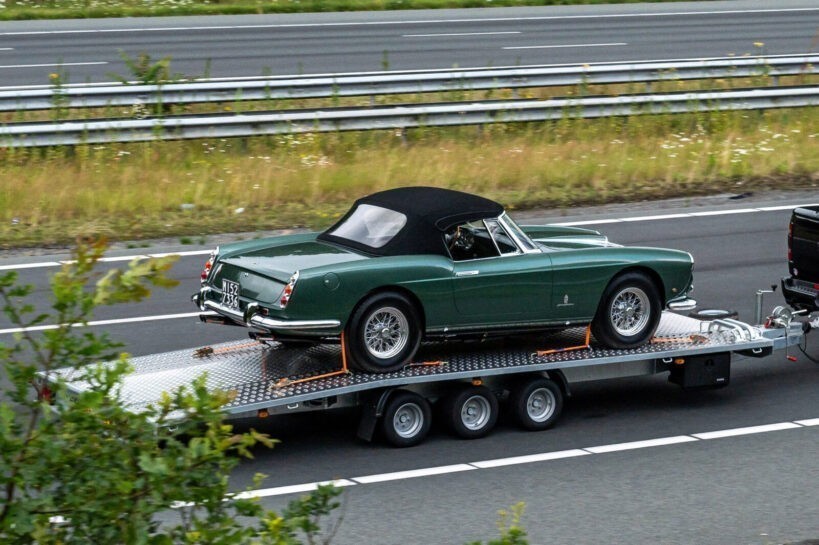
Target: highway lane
{"points": [[730, 490], [235, 46]]}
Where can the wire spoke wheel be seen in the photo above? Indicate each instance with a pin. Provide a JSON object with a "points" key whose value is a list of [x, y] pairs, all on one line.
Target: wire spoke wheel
{"points": [[386, 332], [630, 311]]}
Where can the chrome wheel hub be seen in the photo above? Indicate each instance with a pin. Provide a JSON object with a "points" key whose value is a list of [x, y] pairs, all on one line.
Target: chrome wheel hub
{"points": [[630, 311], [386, 332]]}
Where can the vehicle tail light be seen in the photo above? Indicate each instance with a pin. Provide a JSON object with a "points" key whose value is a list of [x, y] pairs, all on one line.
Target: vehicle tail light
{"points": [[208, 266], [790, 240], [287, 292]]}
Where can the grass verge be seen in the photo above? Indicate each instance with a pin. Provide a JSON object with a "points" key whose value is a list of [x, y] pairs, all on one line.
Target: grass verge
{"points": [[79, 9], [192, 189]]}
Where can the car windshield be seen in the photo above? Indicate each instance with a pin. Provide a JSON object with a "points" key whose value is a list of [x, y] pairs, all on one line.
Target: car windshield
{"points": [[370, 225], [523, 239]]}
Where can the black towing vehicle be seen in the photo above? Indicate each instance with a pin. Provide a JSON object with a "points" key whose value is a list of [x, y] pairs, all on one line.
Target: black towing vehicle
{"points": [[801, 288]]}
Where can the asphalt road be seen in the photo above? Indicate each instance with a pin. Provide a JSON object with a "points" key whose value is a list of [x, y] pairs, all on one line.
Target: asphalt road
{"points": [[757, 488], [254, 45]]}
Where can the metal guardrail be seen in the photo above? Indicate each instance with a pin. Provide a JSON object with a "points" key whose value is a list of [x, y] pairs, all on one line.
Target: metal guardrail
{"points": [[278, 88], [392, 117]]}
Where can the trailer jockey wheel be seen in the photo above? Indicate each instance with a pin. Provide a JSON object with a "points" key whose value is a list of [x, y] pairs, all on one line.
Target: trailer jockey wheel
{"points": [[536, 403], [407, 419], [710, 314], [471, 412]]}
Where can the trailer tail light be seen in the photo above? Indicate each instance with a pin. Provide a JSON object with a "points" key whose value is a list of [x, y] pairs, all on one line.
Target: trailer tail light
{"points": [[208, 266], [287, 292]]}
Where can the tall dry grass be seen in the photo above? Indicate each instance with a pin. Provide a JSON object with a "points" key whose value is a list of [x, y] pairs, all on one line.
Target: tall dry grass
{"points": [[195, 188]]}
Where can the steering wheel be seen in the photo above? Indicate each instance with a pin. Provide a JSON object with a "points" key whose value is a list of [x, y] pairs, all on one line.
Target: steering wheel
{"points": [[462, 239]]}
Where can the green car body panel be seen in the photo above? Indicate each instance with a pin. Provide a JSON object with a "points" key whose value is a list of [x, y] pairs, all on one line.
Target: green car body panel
{"points": [[560, 285]]}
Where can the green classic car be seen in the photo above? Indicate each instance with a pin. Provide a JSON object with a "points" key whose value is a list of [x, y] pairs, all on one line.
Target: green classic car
{"points": [[419, 263]]}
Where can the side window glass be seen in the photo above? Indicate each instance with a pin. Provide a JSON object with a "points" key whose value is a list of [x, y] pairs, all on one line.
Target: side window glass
{"points": [[470, 241]]}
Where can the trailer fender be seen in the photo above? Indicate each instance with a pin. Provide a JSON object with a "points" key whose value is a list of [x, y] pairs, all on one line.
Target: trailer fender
{"points": [[372, 408], [557, 376]]}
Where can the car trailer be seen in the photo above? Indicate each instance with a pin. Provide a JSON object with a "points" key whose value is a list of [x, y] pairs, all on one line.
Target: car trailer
{"points": [[531, 374]]}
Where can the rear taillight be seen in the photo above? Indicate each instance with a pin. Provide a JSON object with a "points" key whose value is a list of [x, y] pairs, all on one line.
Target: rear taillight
{"points": [[287, 292], [790, 240], [208, 266]]}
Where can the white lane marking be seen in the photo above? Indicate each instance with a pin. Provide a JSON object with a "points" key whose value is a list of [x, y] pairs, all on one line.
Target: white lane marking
{"points": [[103, 322], [641, 444], [29, 265], [294, 489], [459, 34], [55, 64], [682, 215], [6, 49], [403, 23], [104, 259], [401, 475], [562, 224], [531, 458], [534, 458], [746, 431], [561, 46], [417, 71]]}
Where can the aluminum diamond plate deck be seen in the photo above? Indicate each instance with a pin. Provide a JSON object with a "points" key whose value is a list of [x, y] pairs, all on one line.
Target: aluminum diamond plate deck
{"points": [[252, 371]]}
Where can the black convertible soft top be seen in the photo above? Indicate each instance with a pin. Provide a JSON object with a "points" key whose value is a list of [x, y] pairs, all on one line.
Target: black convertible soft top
{"points": [[429, 210]]}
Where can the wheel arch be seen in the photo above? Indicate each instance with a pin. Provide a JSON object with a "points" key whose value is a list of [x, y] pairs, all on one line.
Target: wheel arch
{"points": [[392, 288], [652, 274]]}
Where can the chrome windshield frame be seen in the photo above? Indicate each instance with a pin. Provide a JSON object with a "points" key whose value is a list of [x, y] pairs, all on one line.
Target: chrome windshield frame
{"points": [[516, 234]]}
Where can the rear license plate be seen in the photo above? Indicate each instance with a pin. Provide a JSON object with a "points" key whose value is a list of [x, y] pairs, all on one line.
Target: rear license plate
{"points": [[230, 294]]}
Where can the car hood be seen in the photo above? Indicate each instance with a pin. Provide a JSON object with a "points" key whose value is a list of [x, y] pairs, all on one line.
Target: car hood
{"points": [[280, 260], [562, 237]]}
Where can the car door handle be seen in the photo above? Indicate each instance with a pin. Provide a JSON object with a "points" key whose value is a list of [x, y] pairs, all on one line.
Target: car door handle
{"points": [[467, 273]]}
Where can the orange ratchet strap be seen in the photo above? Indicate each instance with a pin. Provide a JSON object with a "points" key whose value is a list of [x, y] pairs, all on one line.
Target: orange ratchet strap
{"points": [[343, 371], [586, 346]]}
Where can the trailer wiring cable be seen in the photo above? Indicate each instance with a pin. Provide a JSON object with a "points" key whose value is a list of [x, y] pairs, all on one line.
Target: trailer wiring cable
{"points": [[803, 346]]}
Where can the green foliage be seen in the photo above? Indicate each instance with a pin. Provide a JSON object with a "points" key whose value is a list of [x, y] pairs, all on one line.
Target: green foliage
{"points": [[145, 70], [511, 532], [78, 467]]}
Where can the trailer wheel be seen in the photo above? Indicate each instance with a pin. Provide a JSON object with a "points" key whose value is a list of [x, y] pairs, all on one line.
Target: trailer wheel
{"points": [[384, 333], [407, 419], [537, 403], [471, 412], [629, 311]]}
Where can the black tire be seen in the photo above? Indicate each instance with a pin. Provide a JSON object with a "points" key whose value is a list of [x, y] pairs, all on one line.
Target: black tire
{"points": [[396, 346], [629, 311], [471, 412], [536, 403], [708, 314], [407, 419]]}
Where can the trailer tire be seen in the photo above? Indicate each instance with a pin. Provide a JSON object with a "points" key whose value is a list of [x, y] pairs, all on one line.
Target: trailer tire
{"points": [[629, 311], [471, 411], [537, 403], [407, 419], [384, 333]]}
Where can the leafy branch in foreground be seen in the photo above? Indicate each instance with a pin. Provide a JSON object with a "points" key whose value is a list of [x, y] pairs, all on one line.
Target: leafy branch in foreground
{"points": [[79, 467]]}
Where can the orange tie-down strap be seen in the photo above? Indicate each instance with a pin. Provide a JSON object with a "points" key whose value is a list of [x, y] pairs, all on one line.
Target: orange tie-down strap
{"points": [[206, 351], [586, 346], [281, 383]]}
